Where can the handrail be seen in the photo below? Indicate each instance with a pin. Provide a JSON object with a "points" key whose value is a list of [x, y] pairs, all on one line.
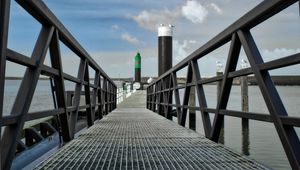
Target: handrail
{"points": [[160, 92], [122, 93], [51, 35]]}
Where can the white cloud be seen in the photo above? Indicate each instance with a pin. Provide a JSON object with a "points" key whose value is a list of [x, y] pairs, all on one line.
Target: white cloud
{"points": [[280, 52], [151, 19], [129, 38], [194, 11], [216, 8], [182, 50], [115, 27], [277, 53], [192, 41]]}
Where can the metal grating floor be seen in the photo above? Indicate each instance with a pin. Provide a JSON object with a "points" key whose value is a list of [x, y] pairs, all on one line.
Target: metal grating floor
{"points": [[136, 138]]}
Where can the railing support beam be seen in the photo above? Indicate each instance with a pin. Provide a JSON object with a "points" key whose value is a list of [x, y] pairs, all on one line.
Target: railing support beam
{"points": [[59, 85], [287, 134], [4, 24], [24, 97]]}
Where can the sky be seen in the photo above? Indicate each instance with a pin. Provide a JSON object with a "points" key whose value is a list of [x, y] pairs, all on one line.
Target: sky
{"points": [[114, 31]]}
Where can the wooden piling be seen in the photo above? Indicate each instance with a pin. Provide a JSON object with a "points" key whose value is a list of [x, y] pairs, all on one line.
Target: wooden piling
{"points": [[192, 111], [219, 86], [244, 97], [245, 121]]}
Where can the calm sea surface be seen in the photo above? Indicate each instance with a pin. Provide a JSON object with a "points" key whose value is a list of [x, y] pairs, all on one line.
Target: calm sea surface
{"points": [[261, 141]]}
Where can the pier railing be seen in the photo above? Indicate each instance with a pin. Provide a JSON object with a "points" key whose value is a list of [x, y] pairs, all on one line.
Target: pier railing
{"points": [[160, 92], [100, 96], [123, 93]]}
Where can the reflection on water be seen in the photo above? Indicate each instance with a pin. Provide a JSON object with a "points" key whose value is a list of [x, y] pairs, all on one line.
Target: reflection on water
{"points": [[42, 99], [257, 139]]}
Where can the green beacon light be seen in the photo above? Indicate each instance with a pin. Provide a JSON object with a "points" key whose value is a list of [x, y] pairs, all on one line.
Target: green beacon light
{"points": [[137, 70], [137, 60]]}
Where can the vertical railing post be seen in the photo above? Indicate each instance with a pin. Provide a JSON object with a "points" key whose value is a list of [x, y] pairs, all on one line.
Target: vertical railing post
{"points": [[87, 93], [186, 96], [164, 97], [160, 97], [176, 94], [105, 96], [147, 97], [95, 94], [4, 24], [234, 52], [168, 99], [201, 99], [100, 98], [59, 85], [115, 97], [111, 97], [154, 99], [108, 96], [77, 96]]}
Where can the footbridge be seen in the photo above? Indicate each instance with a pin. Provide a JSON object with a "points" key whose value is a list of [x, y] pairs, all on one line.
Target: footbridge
{"points": [[114, 129]]}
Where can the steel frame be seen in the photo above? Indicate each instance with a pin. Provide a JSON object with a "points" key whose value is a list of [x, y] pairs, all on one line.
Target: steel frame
{"points": [[51, 35], [239, 35]]}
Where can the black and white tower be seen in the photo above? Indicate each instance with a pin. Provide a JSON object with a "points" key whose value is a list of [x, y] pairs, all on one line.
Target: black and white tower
{"points": [[164, 48]]}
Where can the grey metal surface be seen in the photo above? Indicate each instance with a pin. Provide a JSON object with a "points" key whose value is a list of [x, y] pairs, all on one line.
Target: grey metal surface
{"points": [[132, 137]]}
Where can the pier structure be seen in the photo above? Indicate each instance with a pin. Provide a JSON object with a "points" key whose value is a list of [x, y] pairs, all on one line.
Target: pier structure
{"points": [[137, 132], [133, 137]]}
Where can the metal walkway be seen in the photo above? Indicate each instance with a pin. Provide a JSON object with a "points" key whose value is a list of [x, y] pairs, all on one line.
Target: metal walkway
{"points": [[132, 137]]}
